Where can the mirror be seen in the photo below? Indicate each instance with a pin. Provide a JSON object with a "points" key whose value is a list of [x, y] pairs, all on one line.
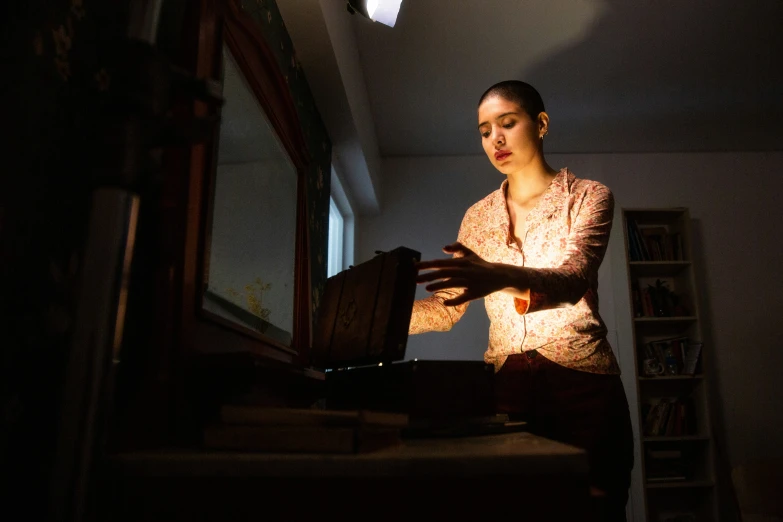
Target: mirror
{"points": [[249, 264]]}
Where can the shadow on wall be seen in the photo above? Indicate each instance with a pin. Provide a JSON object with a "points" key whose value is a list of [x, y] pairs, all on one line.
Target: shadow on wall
{"points": [[727, 504], [727, 55]]}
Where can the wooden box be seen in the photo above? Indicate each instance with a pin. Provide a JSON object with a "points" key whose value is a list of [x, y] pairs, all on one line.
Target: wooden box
{"points": [[365, 312], [360, 339]]}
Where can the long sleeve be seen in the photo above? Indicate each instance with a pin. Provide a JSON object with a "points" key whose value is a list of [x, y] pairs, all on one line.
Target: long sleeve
{"points": [[430, 314], [585, 247]]}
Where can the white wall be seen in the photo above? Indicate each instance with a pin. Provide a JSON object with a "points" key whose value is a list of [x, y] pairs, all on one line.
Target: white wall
{"points": [[322, 33], [733, 201]]}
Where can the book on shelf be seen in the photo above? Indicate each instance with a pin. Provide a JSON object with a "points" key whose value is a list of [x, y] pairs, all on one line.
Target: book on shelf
{"points": [[691, 358], [672, 356], [634, 244], [648, 310], [661, 244], [667, 464], [657, 299], [653, 237], [668, 417], [653, 243], [652, 414], [293, 430], [669, 352]]}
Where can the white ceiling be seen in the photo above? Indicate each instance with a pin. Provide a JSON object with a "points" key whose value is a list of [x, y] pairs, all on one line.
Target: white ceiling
{"points": [[615, 75]]}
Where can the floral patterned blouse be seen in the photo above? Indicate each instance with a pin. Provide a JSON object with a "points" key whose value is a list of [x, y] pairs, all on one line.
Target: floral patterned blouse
{"points": [[565, 242]]}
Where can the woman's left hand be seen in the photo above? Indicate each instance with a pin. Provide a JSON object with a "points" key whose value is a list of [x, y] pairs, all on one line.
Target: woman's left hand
{"points": [[466, 270]]}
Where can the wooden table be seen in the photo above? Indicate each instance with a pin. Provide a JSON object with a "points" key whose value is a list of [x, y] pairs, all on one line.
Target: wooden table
{"points": [[462, 478]]}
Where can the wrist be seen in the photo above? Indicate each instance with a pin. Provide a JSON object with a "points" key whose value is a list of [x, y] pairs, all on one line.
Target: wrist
{"points": [[515, 281]]}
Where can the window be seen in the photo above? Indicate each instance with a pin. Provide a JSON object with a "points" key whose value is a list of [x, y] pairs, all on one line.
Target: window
{"points": [[334, 262], [341, 226]]}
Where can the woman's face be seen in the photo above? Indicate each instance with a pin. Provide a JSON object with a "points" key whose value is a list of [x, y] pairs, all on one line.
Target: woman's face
{"points": [[511, 139]]}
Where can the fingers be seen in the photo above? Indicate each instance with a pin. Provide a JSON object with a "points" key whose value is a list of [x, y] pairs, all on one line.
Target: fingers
{"points": [[459, 252], [442, 273], [439, 263], [457, 248], [460, 299], [449, 283]]}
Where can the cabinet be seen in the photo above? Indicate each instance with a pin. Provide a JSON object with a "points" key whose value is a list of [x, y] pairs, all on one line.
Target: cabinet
{"points": [[671, 367]]}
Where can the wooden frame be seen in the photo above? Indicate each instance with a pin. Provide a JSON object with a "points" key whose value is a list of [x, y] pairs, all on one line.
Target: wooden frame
{"points": [[178, 362], [205, 332]]}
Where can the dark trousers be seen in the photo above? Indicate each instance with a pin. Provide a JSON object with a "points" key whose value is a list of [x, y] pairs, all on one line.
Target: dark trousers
{"points": [[582, 409]]}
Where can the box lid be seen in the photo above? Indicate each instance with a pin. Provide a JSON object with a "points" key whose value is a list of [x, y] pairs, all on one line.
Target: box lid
{"points": [[365, 312]]}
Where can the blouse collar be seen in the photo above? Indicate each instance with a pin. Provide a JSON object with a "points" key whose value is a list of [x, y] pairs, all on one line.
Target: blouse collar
{"points": [[552, 199]]}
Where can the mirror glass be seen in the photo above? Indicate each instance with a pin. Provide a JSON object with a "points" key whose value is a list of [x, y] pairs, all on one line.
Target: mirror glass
{"points": [[250, 255]]}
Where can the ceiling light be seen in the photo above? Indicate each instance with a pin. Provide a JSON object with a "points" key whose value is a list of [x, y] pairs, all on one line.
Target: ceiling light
{"points": [[383, 11]]}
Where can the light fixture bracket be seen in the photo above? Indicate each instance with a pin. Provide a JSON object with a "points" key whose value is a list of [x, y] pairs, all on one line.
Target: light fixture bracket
{"points": [[385, 11], [357, 6]]}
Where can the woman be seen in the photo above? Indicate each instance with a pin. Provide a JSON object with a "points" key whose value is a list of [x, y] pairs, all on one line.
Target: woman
{"points": [[532, 250]]}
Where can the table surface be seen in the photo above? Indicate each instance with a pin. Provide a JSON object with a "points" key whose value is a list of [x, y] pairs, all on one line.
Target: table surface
{"points": [[518, 453]]}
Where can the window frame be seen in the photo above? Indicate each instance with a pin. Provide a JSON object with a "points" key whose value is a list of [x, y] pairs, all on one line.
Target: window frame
{"points": [[334, 261], [342, 202]]}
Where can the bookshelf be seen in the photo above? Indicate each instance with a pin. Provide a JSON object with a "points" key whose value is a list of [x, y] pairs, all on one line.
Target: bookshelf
{"points": [[677, 449]]}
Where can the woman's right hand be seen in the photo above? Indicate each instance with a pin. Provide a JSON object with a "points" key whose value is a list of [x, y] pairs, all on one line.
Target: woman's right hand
{"points": [[468, 271]]}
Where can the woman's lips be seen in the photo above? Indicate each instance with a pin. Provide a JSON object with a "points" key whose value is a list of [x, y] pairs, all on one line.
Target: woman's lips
{"points": [[501, 155]]}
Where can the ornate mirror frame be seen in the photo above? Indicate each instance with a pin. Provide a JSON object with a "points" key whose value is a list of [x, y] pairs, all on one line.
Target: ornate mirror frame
{"points": [[180, 362], [224, 21]]}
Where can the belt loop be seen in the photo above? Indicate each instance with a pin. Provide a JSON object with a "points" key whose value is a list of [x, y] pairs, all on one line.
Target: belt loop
{"points": [[531, 354]]}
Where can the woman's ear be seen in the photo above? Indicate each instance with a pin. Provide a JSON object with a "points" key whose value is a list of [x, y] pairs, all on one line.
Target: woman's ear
{"points": [[543, 124]]}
